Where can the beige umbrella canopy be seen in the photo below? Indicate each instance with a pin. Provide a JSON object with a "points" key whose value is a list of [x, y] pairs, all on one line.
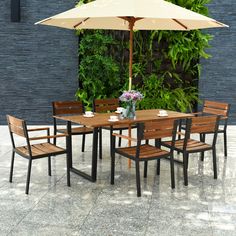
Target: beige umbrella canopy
{"points": [[131, 15]]}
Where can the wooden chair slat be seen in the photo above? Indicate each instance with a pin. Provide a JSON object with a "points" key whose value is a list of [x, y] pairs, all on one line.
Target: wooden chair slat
{"points": [[201, 120], [108, 101], [68, 111], [15, 121], [159, 125], [158, 134], [214, 111], [203, 129], [17, 130], [213, 104], [67, 107], [106, 108], [146, 151]]}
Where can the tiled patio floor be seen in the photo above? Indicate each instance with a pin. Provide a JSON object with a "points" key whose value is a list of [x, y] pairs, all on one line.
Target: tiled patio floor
{"points": [[206, 207]]}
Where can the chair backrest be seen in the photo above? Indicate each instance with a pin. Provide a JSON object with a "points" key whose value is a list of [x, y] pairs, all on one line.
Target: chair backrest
{"points": [[67, 107], [202, 125], [157, 129], [17, 126], [105, 105], [216, 108]]}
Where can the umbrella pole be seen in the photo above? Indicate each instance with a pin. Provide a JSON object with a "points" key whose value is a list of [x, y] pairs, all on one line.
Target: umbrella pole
{"points": [[131, 42]]}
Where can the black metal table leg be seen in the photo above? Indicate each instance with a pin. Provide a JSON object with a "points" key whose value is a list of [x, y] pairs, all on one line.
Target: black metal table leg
{"points": [[93, 176], [94, 155]]}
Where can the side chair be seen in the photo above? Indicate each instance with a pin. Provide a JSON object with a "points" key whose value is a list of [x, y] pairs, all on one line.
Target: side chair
{"points": [[18, 127], [197, 125], [107, 105], [146, 152], [221, 109], [64, 108]]}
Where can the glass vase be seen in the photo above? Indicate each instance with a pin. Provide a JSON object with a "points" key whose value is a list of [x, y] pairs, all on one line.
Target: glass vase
{"points": [[130, 110]]}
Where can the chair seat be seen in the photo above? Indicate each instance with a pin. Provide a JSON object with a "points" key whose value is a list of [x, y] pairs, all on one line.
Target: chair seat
{"points": [[192, 145], [146, 151], [77, 130], [41, 149]]}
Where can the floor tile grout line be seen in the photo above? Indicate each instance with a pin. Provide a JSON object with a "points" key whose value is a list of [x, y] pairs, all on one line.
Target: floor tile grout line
{"points": [[89, 211], [34, 206]]}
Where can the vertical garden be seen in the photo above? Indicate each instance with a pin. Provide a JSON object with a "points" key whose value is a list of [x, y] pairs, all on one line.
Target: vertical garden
{"points": [[166, 65]]}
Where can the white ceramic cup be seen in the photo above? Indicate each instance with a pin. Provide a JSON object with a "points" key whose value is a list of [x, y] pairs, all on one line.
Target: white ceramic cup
{"points": [[113, 117], [162, 113], [120, 109], [88, 113]]}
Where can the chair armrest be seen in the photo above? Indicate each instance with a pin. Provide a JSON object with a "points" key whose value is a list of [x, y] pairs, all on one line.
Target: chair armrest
{"points": [[125, 137], [38, 129], [197, 113], [50, 136]]}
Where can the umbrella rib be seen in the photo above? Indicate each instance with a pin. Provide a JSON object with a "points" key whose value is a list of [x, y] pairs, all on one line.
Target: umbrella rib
{"points": [[184, 26], [221, 24], [75, 26]]}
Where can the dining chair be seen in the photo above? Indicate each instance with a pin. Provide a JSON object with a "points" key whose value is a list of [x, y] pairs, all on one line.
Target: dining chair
{"points": [[221, 109], [18, 127], [156, 130], [103, 106], [64, 108], [197, 125]]}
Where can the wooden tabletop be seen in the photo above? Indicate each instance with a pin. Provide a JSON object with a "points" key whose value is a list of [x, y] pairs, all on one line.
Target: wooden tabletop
{"points": [[101, 119]]}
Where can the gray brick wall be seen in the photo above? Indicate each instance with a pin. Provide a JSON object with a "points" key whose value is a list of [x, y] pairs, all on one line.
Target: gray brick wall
{"points": [[38, 64], [218, 78]]}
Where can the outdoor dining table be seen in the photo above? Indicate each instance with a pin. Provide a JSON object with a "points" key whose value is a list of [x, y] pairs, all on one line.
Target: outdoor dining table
{"points": [[101, 120]]}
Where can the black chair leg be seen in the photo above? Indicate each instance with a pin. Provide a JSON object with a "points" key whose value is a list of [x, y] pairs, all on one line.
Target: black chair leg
{"points": [[100, 143], [138, 179], [49, 166], [112, 168], [83, 142], [158, 166], [187, 158], [225, 143], [68, 167], [55, 139], [12, 166], [185, 169], [172, 171], [28, 176], [214, 162], [202, 139], [145, 169], [119, 142]]}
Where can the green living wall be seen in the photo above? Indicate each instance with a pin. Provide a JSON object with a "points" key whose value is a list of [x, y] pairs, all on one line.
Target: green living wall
{"points": [[166, 65]]}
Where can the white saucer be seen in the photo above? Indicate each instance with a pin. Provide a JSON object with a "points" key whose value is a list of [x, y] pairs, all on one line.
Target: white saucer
{"points": [[162, 115], [88, 116], [113, 120]]}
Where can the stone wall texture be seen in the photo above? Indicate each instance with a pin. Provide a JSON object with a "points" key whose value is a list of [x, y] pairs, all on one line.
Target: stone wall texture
{"points": [[218, 77], [38, 64]]}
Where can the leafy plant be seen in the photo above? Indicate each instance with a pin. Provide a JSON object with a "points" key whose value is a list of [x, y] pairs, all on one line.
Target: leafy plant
{"points": [[165, 63]]}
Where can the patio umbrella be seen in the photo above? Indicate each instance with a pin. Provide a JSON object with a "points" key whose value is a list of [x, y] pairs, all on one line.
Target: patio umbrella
{"points": [[131, 15]]}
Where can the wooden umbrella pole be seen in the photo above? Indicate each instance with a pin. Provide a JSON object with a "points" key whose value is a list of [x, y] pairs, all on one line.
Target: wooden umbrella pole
{"points": [[131, 43]]}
